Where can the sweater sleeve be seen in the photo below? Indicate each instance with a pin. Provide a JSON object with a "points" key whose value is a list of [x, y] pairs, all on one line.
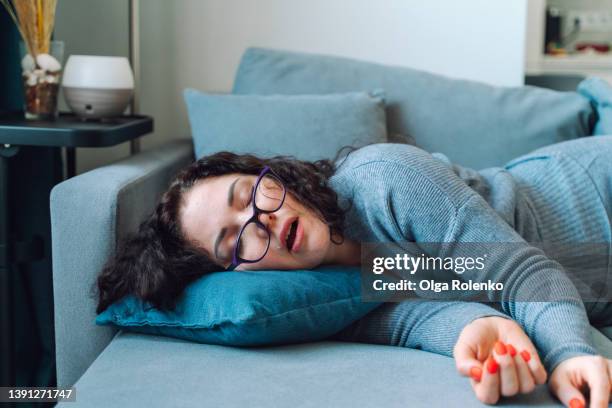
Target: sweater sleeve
{"points": [[418, 200], [432, 326], [559, 327]]}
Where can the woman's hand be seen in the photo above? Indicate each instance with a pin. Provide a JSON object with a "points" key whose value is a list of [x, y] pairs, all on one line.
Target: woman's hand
{"points": [[499, 358], [577, 374]]}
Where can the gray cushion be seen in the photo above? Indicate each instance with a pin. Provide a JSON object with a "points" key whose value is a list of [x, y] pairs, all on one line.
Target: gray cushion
{"points": [[309, 127], [138, 370]]}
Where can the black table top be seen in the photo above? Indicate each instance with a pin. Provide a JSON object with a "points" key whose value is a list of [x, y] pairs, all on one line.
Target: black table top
{"points": [[70, 131]]}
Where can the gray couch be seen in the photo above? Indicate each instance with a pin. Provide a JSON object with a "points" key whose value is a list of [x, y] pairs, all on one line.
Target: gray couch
{"points": [[111, 368]]}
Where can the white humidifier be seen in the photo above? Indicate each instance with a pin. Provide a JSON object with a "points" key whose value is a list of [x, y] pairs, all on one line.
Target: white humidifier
{"points": [[97, 87]]}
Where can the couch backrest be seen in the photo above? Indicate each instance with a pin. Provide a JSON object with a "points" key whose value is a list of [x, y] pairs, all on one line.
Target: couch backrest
{"points": [[474, 124]]}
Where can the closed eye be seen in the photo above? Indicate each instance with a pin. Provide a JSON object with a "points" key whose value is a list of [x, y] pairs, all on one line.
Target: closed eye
{"points": [[227, 248], [249, 198]]}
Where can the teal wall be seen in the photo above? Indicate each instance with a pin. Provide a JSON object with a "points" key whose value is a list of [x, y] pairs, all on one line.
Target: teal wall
{"points": [[11, 94]]}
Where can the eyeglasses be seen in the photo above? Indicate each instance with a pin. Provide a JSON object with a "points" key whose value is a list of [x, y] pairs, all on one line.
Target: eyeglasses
{"points": [[253, 240]]}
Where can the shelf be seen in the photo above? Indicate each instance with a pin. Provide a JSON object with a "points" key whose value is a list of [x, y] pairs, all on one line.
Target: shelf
{"points": [[585, 65], [70, 131], [577, 61]]}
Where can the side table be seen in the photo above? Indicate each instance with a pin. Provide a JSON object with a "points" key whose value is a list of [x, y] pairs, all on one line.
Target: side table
{"points": [[20, 136]]}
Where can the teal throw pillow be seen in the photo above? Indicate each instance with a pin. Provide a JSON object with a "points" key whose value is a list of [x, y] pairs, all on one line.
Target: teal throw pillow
{"points": [[252, 308]]}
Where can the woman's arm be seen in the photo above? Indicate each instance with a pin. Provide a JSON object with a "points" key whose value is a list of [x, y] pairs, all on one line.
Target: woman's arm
{"points": [[537, 293], [473, 333], [432, 326], [403, 194]]}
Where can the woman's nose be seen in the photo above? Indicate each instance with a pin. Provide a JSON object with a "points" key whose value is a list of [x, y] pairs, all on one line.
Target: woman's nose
{"points": [[268, 220]]}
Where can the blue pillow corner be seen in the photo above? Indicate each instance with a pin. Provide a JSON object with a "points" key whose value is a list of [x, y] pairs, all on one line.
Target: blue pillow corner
{"points": [[596, 90], [599, 93], [105, 318]]}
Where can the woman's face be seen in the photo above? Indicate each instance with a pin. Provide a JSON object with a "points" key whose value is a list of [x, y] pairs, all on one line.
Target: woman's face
{"points": [[215, 209]]}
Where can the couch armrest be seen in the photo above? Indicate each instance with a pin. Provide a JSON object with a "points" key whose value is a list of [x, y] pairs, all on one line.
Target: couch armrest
{"points": [[90, 213]]}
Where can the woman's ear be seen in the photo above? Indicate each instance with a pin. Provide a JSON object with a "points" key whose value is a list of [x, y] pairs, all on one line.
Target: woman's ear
{"points": [[336, 237]]}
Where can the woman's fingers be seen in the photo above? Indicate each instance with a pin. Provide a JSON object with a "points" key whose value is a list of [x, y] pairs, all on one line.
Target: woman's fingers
{"points": [[526, 380], [535, 365], [491, 381], [488, 390], [526, 351], [574, 374], [568, 394], [509, 379], [497, 368], [599, 384], [466, 360], [505, 373]]}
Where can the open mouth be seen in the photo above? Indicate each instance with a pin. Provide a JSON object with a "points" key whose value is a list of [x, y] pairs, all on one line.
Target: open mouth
{"points": [[291, 235]]}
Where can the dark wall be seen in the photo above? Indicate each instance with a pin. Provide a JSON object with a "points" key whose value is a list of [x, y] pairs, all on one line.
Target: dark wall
{"points": [[11, 98], [28, 204]]}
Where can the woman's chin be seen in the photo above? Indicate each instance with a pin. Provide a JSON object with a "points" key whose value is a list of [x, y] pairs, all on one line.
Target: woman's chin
{"points": [[311, 263]]}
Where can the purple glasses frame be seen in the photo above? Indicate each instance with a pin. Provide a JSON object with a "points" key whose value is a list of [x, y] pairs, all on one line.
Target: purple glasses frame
{"points": [[236, 259]]}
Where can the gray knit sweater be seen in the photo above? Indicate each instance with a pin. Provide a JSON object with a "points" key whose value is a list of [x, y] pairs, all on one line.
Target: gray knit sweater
{"points": [[400, 193]]}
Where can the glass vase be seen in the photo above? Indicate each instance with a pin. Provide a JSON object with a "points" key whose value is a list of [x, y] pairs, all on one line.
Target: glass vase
{"points": [[41, 80]]}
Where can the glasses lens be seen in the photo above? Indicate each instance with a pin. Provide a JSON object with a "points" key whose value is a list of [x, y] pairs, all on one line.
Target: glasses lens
{"points": [[269, 194], [253, 242]]}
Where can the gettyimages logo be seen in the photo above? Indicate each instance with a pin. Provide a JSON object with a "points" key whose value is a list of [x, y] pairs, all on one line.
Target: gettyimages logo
{"points": [[423, 262], [486, 272]]}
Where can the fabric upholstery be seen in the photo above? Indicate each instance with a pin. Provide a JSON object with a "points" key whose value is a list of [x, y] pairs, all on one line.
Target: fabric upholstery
{"points": [[89, 214], [474, 124], [309, 127], [139, 370]]}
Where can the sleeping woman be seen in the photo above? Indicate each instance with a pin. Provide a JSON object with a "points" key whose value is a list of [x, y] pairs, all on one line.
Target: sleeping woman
{"points": [[240, 212]]}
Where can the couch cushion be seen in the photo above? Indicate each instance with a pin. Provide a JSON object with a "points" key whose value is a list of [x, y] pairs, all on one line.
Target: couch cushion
{"points": [[149, 371], [309, 127], [474, 124], [247, 308]]}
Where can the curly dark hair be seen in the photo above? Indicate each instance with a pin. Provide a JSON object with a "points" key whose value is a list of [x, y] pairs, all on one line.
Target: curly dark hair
{"points": [[157, 262]]}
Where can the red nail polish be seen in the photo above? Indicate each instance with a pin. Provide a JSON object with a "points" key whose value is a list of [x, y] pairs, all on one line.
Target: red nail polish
{"points": [[576, 403], [500, 348], [476, 373], [492, 365], [526, 356], [511, 350]]}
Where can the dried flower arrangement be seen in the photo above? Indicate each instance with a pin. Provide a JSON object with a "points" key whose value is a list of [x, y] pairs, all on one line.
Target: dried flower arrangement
{"points": [[35, 20]]}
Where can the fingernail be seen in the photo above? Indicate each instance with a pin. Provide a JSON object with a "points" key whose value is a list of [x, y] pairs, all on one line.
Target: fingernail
{"points": [[576, 403], [511, 350], [500, 348], [476, 373], [492, 365], [526, 356]]}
